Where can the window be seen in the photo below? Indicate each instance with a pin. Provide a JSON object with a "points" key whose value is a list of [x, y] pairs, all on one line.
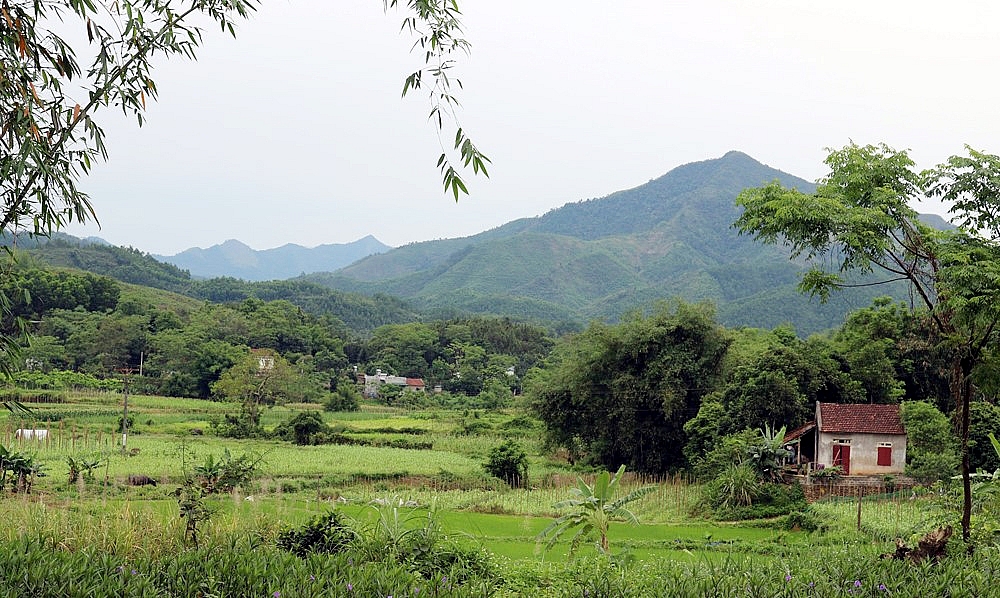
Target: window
{"points": [[884, 454]]}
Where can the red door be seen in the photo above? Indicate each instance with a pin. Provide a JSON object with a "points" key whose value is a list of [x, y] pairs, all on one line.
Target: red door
{"points": [[842, 457]]}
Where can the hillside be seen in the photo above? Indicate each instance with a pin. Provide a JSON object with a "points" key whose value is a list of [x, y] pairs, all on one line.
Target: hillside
{"points": [[671, 237], [360, 313]]}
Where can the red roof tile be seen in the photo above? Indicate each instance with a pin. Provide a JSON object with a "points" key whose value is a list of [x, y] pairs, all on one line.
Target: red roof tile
{"points": [[870, 419], [799, 432]]}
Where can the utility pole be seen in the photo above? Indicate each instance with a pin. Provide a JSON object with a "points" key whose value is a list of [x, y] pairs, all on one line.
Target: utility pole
{"points": [[126, 372]]}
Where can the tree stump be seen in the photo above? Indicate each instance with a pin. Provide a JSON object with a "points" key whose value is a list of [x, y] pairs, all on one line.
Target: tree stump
{"points": [[932, 546]]}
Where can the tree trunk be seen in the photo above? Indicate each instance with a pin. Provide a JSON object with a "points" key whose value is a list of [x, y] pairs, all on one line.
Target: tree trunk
{"points": [[961, 390]]}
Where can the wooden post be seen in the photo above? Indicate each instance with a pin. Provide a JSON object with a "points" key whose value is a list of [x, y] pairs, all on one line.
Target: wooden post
{"points": [[860, 491]]}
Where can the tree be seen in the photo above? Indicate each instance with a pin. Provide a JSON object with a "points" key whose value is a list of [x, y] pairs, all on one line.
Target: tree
{"points": [[930, 444], [985, 420], [49, 101], [625, 392], [509, 463], [859, 220], [259, 379]]}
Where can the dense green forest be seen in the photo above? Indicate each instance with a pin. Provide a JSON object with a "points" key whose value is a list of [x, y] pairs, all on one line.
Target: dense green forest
{"points": [[656, 391], [181, 346], [674, 390], [359, 313]]}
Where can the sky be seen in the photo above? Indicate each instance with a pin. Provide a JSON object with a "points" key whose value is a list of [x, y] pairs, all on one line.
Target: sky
{"points": [[295, 131]]}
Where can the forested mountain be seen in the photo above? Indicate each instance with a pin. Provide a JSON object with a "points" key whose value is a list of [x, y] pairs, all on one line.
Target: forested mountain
{"points": [[594, 259], [671, 237], [361, 314], [234, 259]]}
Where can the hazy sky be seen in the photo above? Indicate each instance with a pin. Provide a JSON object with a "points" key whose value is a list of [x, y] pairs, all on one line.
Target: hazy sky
{"points": [[295, 131]]}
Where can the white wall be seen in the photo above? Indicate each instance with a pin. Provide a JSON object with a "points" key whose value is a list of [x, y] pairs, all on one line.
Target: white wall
{"points": [[864, 452]]}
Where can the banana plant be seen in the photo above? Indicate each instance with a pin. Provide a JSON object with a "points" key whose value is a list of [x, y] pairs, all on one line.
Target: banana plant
{"points": [[594, 508]]}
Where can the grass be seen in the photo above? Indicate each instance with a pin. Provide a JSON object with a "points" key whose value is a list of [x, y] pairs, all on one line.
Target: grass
{"points": [[669, 554]]}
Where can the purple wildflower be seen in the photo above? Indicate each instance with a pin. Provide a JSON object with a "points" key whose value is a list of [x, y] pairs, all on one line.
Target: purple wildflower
{"points": [[350, 587], [312, 578], [276, 594], [788, 577], [882, 588], [857, 583], [134, 572]]}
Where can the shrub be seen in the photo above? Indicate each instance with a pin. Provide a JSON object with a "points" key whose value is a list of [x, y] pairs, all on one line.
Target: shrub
{"points": [[237, 426], [472, 428], [931, 448], [345, 398], [508, 462], [735, 486], [805, 520], [324, 534], [226, 473], [302, 429], [130, 420], [772, 500], [417, 541], [828, 474]]}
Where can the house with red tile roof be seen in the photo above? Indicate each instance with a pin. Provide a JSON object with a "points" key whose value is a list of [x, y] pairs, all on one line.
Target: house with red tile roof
{"points": [[372, 383], [861, 438]]}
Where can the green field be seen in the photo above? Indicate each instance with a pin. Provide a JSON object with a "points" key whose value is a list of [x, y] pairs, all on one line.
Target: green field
{"points": [[441, 494]]}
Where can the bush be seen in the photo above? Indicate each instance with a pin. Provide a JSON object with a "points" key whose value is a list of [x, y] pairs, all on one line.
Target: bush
{"points": [[735, 486], [237, 426], [472, 428], [732, 449], [324, 534], [930, 466], [345, 398], [508, 462], [828, 474], [226, 473], [931, 449], [772, 500], [805, 520], [302, 429]]}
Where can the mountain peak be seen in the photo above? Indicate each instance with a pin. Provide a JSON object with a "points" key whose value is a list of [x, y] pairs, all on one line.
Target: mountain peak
{"points": [[704, 190], [737, 154], [233, 244]]}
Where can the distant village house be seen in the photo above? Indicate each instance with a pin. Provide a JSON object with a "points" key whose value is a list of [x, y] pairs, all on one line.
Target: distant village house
{"points": [[372, 383]]}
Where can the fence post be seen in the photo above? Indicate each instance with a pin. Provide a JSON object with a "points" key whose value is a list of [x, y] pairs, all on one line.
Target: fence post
{"points": [[860, 492]]}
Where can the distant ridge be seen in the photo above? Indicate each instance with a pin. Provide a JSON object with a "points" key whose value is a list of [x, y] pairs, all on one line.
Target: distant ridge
{"points": [[237, 260], [598, 259]]}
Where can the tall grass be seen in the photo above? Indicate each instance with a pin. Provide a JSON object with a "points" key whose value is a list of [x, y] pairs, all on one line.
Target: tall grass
{"points": [[887, 517]]}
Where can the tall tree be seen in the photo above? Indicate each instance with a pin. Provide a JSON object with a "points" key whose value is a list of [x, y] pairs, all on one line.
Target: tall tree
{"points": [[625, 392], [859, 219]]}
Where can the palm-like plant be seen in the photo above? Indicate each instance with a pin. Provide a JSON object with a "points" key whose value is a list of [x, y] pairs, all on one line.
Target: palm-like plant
{"points": [[593, 510]]}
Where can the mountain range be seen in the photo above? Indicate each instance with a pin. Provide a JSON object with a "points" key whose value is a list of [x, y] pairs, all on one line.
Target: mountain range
{"points": [[236, 259], [596, 259]]}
